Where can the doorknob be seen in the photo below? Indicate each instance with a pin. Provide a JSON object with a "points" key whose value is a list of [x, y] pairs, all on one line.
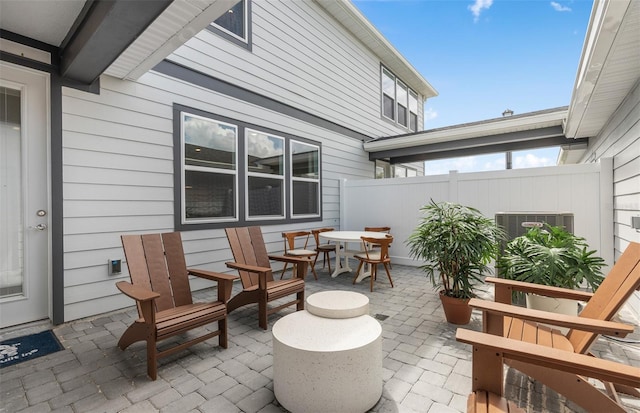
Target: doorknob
{"points": [[39, 227]]}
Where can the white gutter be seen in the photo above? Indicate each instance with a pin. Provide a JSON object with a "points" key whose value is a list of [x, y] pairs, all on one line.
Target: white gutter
{"points": [[470, 130]]}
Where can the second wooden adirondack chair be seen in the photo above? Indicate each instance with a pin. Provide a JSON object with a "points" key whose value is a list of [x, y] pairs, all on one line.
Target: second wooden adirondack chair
{"points": [[502, 319], [258, 284], [160, 286]]}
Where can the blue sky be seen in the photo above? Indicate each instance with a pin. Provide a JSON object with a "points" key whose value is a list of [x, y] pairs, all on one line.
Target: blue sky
{"points": [[484, 56]]}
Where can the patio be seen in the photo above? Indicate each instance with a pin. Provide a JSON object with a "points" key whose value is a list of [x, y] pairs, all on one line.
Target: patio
{"points": [[425, 369]]}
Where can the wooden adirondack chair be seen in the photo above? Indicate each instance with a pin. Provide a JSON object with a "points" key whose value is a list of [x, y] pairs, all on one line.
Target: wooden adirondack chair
{"points": [[258, 285], [160, 286], [489, 353], [502, 319]]}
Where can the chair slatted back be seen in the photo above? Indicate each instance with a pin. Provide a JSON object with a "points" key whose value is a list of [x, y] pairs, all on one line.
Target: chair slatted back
{"points": [[247, 246], [615, 290], [149, 267], [378, 229], [382, 243], [290, 240], [316, 234]]}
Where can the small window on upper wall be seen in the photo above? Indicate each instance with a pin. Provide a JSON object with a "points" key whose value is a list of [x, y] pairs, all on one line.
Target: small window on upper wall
{"points": [[234, 24], [413, 111], [399, 102], [305, 179]]}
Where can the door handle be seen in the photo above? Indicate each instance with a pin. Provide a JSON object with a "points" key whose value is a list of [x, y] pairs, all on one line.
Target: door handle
{"points": [[39, 227]]}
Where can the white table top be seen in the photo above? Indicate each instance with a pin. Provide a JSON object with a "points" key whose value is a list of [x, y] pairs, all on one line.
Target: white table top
{"points": [[350, 236]]}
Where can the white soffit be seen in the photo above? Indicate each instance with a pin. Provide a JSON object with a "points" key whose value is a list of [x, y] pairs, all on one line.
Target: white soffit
{"points": [[609, 66], [523, 122], [354, 21], [182, 20]]}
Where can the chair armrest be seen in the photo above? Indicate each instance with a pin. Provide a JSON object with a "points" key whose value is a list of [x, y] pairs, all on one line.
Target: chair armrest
{"points": [[246, 267], [289, 258], [561, 320], [210, 275], [136, 292], [525, 287], [581, 364], [225, 281]]}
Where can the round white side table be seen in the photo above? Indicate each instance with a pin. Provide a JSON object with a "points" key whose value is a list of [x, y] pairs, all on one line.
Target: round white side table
{"points": [[323, 364]]}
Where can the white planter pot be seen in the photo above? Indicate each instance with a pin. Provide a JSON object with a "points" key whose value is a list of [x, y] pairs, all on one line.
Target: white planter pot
{"points": [[553, 305]]}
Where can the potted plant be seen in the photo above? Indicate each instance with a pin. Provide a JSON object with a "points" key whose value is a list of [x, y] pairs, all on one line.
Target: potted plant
{"points": [[457, 243], [551, 255]]}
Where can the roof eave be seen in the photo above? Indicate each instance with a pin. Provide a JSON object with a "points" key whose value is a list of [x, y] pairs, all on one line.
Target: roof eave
{"points": [[473, 130], [351, 18]]}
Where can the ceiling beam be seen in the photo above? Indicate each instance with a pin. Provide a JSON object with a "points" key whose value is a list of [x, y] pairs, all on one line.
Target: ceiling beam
{"points": [[521, 140], [107, 29]]}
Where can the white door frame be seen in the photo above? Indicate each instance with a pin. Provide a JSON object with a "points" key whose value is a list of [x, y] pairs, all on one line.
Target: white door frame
{"points": [[35, 87]]}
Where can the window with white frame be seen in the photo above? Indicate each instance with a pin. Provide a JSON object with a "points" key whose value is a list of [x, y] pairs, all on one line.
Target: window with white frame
{"points": [[209, 176], [235, 23], [305, 179], [228, 171], [265, 175], [399, 102], [413, 111]]}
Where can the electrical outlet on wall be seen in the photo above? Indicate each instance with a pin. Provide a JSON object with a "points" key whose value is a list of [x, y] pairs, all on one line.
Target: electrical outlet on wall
{"points": [[114, 266]]}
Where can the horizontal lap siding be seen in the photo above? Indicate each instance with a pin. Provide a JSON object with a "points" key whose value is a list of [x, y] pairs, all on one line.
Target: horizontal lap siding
{"points": [[301, 57], [118, 178]]}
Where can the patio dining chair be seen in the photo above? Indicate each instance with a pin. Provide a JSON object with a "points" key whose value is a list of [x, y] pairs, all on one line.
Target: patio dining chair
{"points": [[295, 245], [386, 230], [323, 248], [374, 256]]}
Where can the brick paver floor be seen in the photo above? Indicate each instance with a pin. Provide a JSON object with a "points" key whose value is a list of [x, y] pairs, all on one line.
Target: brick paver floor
{"points": [[424, 368]]}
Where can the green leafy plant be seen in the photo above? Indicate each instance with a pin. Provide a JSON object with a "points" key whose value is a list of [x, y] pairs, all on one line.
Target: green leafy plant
{"points": [[551, 256], [456, 242]]}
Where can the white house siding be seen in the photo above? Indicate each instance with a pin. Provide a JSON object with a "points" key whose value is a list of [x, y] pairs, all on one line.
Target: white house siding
{"points": [[300, 56], [118, 178], [620, 140]]}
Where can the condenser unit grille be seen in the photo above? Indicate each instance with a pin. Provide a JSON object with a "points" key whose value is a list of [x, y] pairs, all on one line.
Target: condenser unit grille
{"points": [[518, 223]]}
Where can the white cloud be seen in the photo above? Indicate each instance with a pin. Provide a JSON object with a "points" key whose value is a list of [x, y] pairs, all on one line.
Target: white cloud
{"points": [[559, 7], [430, 114], [530, 160], [478, 6]]}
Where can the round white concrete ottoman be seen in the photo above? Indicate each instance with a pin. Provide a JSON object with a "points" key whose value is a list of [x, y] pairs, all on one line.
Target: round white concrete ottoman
{"points": [[338, 304], [327, 364]]}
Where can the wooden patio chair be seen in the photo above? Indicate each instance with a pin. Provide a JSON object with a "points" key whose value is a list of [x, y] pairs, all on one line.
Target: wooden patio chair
{"points": [[299, 250], [375, 256], [490, 352], [258, 285], [323, 248], [502, 319], [386, 230], [160, 286]]}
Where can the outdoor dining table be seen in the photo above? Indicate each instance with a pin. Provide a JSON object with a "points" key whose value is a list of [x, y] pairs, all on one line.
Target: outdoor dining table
{"points": [[343, 253]]}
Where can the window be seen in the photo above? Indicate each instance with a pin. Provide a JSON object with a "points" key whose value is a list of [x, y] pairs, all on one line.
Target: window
{"points": [[399, 102], [413, 111], [232, 171], [388, 94], [209, 178], [402, 95], [265, 175], [234, 24], [399, 171], [305, 179]]}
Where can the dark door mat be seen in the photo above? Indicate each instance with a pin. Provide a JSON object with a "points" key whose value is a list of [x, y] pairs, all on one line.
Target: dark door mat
{"points": [[19, 349]]}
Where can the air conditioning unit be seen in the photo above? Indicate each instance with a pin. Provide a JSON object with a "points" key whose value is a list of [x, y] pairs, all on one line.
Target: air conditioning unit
{"points": [[518, 223]]}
